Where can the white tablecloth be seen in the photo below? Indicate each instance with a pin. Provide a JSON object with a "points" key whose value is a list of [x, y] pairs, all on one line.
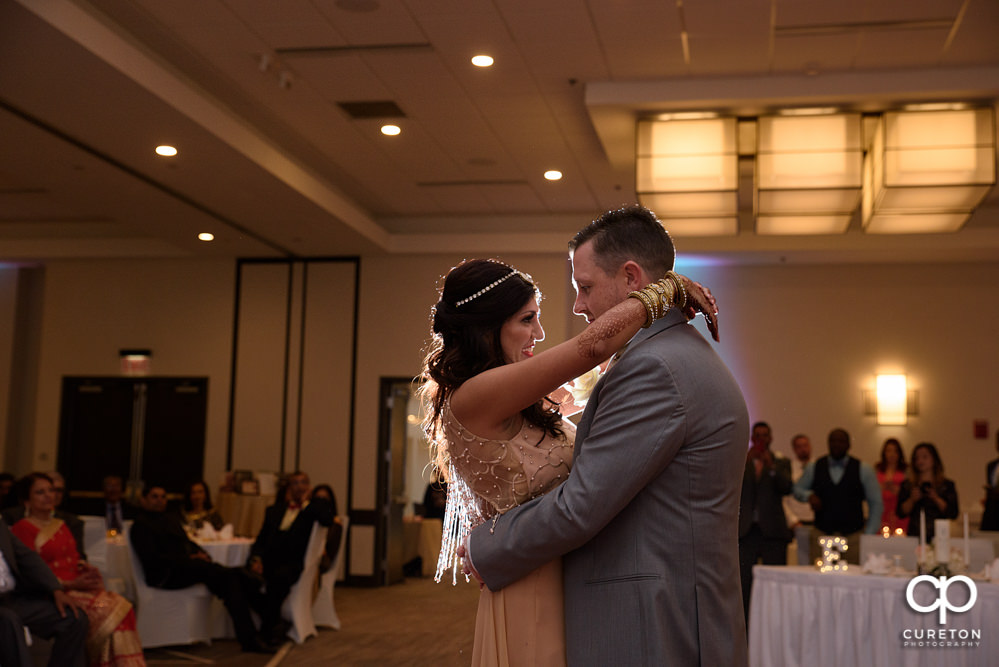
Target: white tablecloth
{"points": [[800, 618], [422, 537], [232, 552]]}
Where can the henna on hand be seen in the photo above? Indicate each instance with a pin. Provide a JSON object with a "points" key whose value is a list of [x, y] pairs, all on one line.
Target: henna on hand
{"points": [[596, 333], [700, 299]]}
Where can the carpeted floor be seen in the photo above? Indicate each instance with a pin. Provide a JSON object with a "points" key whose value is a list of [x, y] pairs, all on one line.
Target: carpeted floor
{"points": [[413, 623]]}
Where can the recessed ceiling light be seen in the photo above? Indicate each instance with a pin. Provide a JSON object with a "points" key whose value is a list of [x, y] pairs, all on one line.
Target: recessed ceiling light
{"points": [[166, 151], [482, 60], [206, 236], [553, 175], [390, 130]]}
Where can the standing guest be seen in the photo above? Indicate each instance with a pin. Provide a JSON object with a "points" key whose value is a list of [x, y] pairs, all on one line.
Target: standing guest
{"points": [[198, 510], [928, 491], [763, 531], [891, 473], [32, 597], [990, 517], [171, 560], [279, 550], [648, 520], [836, 486], [800, 516], [335, 534], [112, 638]]}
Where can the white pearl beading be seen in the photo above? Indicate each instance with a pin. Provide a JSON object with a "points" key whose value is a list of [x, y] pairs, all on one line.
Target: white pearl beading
{"points": [[513, 272], [489, 477]]}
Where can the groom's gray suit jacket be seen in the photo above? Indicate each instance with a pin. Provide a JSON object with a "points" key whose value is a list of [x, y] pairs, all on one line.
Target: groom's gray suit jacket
{"points": [[648, 519]]}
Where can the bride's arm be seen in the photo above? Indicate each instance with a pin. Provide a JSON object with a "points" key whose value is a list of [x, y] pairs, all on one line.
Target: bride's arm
{"points": [[486, 402]]}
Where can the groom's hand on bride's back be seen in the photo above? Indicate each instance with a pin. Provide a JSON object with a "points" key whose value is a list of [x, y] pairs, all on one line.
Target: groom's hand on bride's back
{"points": [[467, 567]]}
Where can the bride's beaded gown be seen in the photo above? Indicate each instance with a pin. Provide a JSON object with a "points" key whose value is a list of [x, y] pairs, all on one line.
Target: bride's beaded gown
{"points": [[523, 624]]}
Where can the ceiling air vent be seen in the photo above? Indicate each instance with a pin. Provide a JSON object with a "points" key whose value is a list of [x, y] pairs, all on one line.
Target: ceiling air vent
{"points": [[376, 109]]}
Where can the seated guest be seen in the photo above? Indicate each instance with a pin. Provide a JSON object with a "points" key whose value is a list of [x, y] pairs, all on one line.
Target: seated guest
{"points": [[279, 549], [7, 499], [30, 595], [197, 509], [73, 522], [116, 510], [112, 638], [926, 490], [335, 534], [836, 486], [171, 560]]}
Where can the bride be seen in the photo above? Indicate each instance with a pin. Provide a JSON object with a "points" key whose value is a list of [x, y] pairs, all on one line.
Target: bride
{"points": [[498, 437]]}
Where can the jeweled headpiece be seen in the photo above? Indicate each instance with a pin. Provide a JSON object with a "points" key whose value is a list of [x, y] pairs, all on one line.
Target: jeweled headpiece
{"points": [[513, 272]]}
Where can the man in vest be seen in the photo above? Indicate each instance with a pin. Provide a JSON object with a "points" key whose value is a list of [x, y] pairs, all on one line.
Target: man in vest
{"points": [[836, 487]]}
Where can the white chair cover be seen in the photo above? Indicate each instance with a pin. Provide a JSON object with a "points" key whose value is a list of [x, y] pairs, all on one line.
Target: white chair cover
{"points": [[95, 542], [297, 607], [323, 610], [982, 551], [170, 617]]}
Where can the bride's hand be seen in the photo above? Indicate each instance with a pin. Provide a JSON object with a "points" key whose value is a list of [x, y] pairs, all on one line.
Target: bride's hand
{"points": [[700, 300]]}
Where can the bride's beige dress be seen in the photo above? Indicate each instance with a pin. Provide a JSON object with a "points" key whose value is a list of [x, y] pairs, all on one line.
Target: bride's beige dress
{"points": [[522, 625]]}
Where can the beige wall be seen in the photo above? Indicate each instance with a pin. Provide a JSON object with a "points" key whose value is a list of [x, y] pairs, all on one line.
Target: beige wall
{"points": [[803, 342], [181, 310], [8, 306]]}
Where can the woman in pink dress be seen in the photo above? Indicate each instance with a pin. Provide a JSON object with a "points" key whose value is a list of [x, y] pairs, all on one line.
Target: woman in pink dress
{"points": [[891, 473], [500, 440], [112, 639]]}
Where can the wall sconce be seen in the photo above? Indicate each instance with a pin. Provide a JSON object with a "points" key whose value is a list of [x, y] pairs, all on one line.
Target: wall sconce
{"points": [[808, 173], [891, 401], [687, 172], [927, 170]]}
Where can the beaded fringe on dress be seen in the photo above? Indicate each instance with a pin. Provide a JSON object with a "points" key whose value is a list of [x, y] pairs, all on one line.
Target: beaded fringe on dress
{"points": [[461, 514]]}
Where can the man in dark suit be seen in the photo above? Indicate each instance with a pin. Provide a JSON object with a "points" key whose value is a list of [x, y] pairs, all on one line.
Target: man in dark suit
{"points": [[763, 531], [30, 595], [116, 511], [171, 561], [279, 550], [990, 518]]}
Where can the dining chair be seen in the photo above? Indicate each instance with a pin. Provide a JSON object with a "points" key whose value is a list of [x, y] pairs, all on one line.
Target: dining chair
{"points": [[95, 540], [170, 617], [323, 610], [297, 607]]}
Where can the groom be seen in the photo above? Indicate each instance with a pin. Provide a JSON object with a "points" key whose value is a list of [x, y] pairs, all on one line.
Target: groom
{"points": [[648, 520]]}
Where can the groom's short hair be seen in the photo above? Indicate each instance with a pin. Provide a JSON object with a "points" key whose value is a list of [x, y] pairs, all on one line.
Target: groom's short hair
{"points": [[628, 233]]}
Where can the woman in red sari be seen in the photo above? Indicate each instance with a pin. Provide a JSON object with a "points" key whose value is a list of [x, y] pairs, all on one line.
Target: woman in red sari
{"points": [[112, 639]]}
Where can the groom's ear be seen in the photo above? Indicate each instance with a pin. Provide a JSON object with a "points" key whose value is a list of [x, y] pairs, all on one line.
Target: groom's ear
{"points": [[633, 275]]}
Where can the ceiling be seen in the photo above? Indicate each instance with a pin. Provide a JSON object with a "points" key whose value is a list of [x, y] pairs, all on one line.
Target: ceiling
{"points": [[271, 163]]}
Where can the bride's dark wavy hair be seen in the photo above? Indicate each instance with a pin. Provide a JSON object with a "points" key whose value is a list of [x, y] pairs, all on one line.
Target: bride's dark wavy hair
{"points": [[466, 342]]}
